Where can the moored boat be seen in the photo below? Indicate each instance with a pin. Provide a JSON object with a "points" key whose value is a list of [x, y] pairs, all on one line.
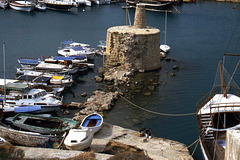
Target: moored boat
{"points": [[59, 5], [40, 7], [93, 122], [78, 139], [70, 48], [22, 5], [154, 5], [217, 112], [42, 124], [24, 138], [3, 4]]}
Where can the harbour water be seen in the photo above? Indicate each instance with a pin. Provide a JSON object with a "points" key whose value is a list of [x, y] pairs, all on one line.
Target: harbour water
{"points": [[198, 35]]}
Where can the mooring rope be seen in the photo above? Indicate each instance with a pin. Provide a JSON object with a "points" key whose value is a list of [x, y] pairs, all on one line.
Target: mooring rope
{"points": [[158, 113]]}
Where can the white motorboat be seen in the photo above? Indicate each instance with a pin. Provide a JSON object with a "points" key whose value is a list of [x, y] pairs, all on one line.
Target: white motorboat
{"points": [[20, 95], [70, 48], [3, 4], [22, 5], [78, 139], [93, 122]]}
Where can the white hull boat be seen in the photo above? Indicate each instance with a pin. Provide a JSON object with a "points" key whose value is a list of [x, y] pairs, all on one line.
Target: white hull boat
{"points": [[3, 4], [93, 122], [165, 48], [70, 48], [33, 97], [22, 5], [78, 139]]}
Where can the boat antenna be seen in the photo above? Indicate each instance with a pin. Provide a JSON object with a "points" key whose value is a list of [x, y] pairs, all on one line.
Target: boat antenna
{"points": [[4, 71], [222, 81]]}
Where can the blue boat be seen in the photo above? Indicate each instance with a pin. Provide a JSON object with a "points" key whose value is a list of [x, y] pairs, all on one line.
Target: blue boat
{"points": [[93, 122]]}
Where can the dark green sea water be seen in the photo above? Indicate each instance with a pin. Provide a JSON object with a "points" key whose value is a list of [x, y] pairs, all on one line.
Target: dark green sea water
{"points": [[198, 37]]}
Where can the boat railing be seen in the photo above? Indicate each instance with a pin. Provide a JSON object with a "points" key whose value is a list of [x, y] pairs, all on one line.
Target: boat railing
{"points": [[216, 90]]}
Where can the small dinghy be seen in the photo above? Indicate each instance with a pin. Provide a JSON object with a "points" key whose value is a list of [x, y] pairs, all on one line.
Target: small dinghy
{"points": [[93, 121], [2, 140], [78, 139]]}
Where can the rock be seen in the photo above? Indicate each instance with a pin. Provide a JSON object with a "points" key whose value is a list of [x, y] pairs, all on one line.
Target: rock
{"points": [[98, 79], [162, 54], [84, 94], [151, 88], [100, 72], [172, 74], [147, 94], [176, 68]]}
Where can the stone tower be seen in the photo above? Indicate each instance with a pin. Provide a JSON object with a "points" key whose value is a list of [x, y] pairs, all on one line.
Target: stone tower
{"points": [[133, 47]]}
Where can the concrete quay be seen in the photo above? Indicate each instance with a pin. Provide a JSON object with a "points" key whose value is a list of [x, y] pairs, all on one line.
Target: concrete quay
{"points": [[155, 148]]}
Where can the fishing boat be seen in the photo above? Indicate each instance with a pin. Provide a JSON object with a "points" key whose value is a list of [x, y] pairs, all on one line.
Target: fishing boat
{"points": [[42, 124], [4, 4], [164, 47], [30, 139], [93, 122], [70, 48], [59, 4], [217, 112], [27, 6], [21, 95], [78, 139], [49, 78], [152, 5]]}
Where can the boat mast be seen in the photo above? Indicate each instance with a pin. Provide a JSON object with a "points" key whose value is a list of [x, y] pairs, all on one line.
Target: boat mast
{"points": [[4, 71], [165, 27], [222, 81]]}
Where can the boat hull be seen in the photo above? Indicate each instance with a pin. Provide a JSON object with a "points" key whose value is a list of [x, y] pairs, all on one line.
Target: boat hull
{"points": [[93, 122], [63, 7], [21, 7], [78, 139], [41, 124], [161, 6], [23, 138]]}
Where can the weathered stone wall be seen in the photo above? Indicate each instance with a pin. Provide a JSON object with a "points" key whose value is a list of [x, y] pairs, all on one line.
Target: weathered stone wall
{"points": [[140, 17], [232, 151], [133, 48]]}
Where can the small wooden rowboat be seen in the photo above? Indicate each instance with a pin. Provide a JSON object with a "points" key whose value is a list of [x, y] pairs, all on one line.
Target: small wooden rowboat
{"points": [[93, 121]]}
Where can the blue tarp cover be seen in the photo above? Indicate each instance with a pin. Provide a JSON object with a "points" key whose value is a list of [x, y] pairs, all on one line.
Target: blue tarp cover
{"points": [[78, 57], [77, 48], [63, 58], [22, 109], [29, 61], [67, 42]]}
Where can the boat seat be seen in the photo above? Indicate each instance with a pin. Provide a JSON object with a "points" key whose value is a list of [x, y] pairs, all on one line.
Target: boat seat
{"points": [[92, 123]]}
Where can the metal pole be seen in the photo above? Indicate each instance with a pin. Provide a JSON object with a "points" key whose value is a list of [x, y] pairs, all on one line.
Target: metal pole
{"points": [[4, 71]]}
